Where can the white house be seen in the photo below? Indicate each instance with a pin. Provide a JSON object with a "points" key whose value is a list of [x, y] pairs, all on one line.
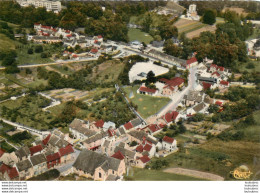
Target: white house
{"points": [[169, 143]]}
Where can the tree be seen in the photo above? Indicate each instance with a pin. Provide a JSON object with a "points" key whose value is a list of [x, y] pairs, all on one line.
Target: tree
{"points": [[30, 51], [38, 49], [147, 22], [209, 17], [167, 30], [150, 78]]}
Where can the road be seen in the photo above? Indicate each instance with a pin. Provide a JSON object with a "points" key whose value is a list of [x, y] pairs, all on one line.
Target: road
{"points": [[40, 134], [177, 98], [52, 63], [68, 166]]}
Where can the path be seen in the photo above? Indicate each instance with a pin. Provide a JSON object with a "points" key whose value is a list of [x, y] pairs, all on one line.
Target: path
{"points": [[177, 99], [194, 173], [40, 134]]}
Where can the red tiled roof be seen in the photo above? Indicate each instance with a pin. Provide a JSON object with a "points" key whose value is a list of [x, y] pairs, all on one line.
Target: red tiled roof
{"points": [[67, 31], [100, 36], [37, 24], [66, 150], [153, 127], [69, 35], [35, 149], [96, 41], [46, 140], [99, 123], [215, 73], [213, 66], [94, 51], [111, 132], [223, 82], [145, 159], [118, 155], [192, 60], [1, 152], [46, 27], [11, 171], [220, 68], [53, 157], [170, 87], [140, 148], [171, 116], [206, 85], [176, 81], [168, 139], [145, 89], [147, 147], [219, 103], [74, 55], [128, 125]]}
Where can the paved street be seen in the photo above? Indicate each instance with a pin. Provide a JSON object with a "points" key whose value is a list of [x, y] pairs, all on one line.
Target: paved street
{"points": [[177, 98]]}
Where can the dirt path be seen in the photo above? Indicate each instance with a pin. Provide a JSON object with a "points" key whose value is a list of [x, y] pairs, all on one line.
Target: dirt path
{"points": [[194, 173]]}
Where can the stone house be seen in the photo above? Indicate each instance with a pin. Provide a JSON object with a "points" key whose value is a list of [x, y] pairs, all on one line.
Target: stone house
{"points": [[39, 164], [97, 166], [66, 154], [169, 143], [25, 169]]}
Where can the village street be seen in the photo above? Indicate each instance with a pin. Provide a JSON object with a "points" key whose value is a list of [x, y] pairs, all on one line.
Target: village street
{"points": [[176, 99], [65, 167]]}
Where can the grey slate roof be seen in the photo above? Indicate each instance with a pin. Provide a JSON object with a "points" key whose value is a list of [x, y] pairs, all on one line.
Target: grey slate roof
{"points": [[138, 134], [121, 130], [199, 107], [96, 137], [88, 161], [38, 159], [23, 165], [125, 152], [136, 122], [112, 177], [22, 152], [194, 96], [78, 125]]}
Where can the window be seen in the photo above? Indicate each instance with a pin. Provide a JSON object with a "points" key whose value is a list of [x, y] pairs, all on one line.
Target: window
{"points": [[100, 175]]}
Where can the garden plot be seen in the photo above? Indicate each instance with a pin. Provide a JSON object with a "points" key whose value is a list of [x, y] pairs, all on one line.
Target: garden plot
{"points": [[141, 69], [67, 94]]}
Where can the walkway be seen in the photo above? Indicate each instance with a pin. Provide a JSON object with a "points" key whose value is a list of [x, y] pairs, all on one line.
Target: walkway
{"points": [[194, 173]]}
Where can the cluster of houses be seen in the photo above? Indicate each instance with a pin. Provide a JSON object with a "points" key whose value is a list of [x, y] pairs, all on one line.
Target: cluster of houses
{"points": [[108, 151], [164, 87], [49, 35], [24, 163]]}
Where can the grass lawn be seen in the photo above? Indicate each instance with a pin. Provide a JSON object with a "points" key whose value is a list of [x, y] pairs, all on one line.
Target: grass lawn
{"points": [[157, 175], [256, 63], [6, 43], [24, 58], [220, 20], [252, 133], [137, 34], [106, 72], [147, 105]]}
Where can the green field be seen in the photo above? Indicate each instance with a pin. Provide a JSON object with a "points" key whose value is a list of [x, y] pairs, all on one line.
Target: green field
{"points": [[28, 111], [24, 58], [157, 175], [256, 64], [6, 43], [5, 146], [137, 34], [147, 105]]}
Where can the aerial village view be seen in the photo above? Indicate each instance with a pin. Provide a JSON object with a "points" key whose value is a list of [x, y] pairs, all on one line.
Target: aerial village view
{"points": [[129, 91]]}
